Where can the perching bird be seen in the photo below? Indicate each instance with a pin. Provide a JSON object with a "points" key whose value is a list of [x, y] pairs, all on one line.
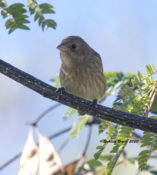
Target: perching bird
{"points": [[81, 72]]}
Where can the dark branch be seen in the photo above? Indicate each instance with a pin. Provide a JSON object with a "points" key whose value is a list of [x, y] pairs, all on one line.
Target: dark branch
{"points": [[100, 111]]}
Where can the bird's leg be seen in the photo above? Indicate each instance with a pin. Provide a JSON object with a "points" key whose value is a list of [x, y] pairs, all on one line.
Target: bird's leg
{"points": [[91, 106], [94, 103], [60, 92]]}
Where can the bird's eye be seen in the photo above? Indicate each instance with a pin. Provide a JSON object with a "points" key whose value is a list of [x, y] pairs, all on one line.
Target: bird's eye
{"points": [[73, 46]]}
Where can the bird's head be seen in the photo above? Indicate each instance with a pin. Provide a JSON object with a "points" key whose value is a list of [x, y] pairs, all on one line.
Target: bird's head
{"points": [[73, 49]]}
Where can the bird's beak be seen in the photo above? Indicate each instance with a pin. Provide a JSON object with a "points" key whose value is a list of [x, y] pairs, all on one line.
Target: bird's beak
{"points": [[60, 46]]}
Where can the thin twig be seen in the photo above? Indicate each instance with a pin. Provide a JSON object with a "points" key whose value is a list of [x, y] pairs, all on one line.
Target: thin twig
{"points": [[4, 165], [44, 113], [95, 120], [88, 140], [63, 144], [10, 161]]}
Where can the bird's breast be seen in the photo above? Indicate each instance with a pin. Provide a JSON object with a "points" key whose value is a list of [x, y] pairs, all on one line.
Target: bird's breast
{"points": [[83, 81]]}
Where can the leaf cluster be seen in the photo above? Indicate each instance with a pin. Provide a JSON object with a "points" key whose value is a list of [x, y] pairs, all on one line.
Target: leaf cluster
{"points": [[136, 95], [18, 14]]}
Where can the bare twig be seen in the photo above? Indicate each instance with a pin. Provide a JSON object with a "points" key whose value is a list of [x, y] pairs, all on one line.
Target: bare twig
{"points": [[44, 113], [63, 144], [19, 154], [88, 140], [10, 161], [94, 120]]}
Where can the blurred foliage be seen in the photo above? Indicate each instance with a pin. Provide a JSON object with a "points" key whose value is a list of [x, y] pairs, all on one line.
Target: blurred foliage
{"points": [[116, 80], [137, 94], [78, 125], [18, 15]]}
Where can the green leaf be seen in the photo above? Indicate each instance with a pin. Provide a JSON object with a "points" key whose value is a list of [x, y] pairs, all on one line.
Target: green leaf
{"points": [[153, 108], [111, 131], [100, 147], [103, 125], [153, 68], [21, 21], [154, 117], [147, 139], [37, 16], [115, 149], [78, 125], [45, 6], [10, 23], [21, 16], [94, 163], [106, 157], [140, 76], [143, 159], [4, 13], [57, 82], [16, 6], [21, 26], [97, 155], [69, 113], [154, 147], [47, 11], [3, 4], [48, 23], [41, 19], [148, 70], [11, 29]]}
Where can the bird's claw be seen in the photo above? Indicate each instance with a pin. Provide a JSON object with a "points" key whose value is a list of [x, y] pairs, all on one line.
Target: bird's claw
{"points": [[60, 92], [90, 108]]}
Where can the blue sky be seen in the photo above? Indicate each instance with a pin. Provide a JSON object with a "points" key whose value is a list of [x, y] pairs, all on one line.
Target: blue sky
{"points": [[123, 32]]}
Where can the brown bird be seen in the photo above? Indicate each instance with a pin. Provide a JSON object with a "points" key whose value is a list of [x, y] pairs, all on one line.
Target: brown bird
{"points": [[81, 72]]}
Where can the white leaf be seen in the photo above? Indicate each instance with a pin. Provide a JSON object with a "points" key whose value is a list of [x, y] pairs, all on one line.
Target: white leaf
{"points": [[50, 162], [29, 158]]}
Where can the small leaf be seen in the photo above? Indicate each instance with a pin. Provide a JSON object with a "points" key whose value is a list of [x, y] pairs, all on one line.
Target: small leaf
{"points": [[47, 11], [37, 15], [22, 21], [10, 23], [94, 163], [143, 159], [4, 13], [100, 147], [3, 4], [69, 113], [97, 155], [49, 23], [111, 131], [106, 157], [45, 6], [41, 19], [78, 125], [11, 30], [21, 26]]}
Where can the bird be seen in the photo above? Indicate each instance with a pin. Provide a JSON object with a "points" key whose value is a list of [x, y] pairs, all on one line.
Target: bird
{"points": [[81, 71]]}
